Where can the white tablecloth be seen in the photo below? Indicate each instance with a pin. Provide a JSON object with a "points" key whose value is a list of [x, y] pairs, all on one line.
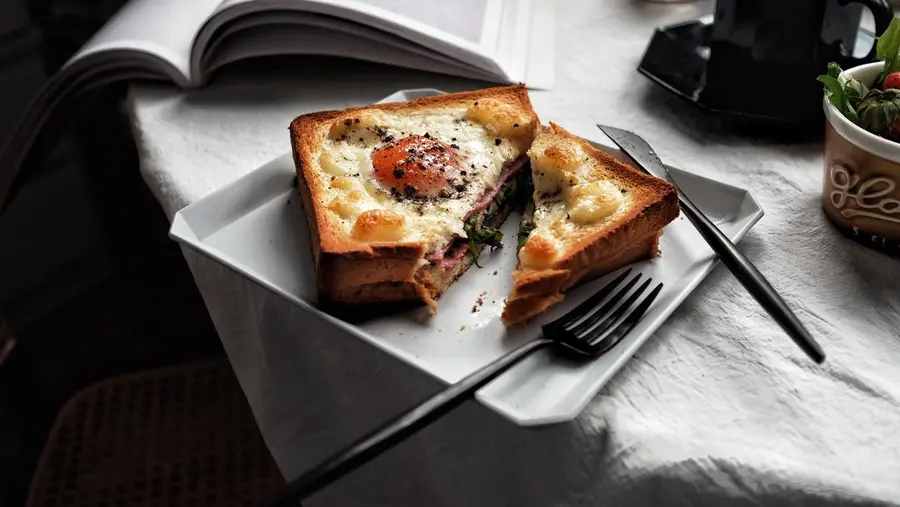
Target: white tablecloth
{"points": [[718, 409]]}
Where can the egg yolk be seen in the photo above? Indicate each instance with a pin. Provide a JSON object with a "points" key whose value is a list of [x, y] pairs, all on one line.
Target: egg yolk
{"points": [[417, 166]]}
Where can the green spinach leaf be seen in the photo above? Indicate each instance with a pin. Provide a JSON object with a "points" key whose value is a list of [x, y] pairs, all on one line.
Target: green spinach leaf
{"points": [[480, 235], [887, 48], [526, 225], [835, 93]]}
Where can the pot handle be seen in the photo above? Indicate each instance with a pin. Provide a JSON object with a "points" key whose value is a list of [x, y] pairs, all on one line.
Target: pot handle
{"points": [[883, 14]]}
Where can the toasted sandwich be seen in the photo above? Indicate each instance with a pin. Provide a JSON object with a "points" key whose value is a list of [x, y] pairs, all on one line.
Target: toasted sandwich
{"points": [[402, 197], [589, 214]]}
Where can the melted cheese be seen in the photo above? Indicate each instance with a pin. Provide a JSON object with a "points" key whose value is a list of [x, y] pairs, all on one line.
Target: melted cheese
{"points": [[568, 199], [352, 191], [379, 225], [555, 167], [593, 202]]}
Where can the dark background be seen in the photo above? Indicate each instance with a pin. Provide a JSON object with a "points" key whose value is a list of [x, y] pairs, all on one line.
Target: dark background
{"points": [[90, 284]]}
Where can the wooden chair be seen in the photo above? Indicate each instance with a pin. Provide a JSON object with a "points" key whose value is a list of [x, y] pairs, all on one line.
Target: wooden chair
{"points": [[176, 436]]}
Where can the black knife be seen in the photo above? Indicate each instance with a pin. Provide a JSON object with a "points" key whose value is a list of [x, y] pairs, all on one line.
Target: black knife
{"points": [[744, 270]]}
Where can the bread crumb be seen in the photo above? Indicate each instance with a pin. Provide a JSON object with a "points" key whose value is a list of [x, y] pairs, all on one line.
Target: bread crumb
{"points": [[479, 302], [494, 273], [462, 327]]}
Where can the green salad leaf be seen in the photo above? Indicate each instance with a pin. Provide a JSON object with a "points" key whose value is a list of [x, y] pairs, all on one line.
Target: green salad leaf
{"points": [[526, 223], [480, 235], [887, 49], [844, 92], [837, 93]]}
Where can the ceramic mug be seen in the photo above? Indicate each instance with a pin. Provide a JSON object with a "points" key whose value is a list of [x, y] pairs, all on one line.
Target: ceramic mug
{"points": [[861, 184]]}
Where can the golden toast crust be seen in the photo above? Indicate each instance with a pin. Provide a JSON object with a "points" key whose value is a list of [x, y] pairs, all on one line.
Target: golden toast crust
{"points": [[357, 272], [593, 252]]}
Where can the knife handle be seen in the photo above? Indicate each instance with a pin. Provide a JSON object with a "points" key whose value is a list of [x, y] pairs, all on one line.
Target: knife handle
{"points": [[753, 280]]}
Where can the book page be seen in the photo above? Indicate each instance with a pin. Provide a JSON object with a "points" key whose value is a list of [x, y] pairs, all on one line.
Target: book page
{"points": [[459, 18], [245, 31], [314, 40], [458, 29], [162, 28], [497, 37], [462, 18]]}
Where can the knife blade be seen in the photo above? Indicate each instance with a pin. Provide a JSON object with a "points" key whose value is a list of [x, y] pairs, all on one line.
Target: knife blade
{"points": [[756, 284]]}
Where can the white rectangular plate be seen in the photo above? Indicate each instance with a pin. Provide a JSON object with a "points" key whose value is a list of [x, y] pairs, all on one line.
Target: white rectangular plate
{"points": [[257, 227]]}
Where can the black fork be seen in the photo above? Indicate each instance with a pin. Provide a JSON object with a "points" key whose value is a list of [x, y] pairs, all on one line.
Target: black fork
{"points": [[591, 329]]}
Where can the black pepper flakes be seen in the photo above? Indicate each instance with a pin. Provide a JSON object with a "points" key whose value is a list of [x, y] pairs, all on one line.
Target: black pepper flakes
{"points": [[515, 125], [454, 146], [427, 135], [453, 139], [356, 121], [399, 173], [348, 122], [388, 139], [497, 142]]}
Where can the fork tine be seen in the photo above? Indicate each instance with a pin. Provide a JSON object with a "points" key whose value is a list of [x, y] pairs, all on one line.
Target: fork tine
{"points": [[621, 330], [593, 329], [598, 313], [589, 304]]}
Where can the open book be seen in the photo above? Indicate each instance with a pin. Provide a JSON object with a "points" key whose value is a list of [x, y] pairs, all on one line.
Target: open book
{"points": [[185, 41]]}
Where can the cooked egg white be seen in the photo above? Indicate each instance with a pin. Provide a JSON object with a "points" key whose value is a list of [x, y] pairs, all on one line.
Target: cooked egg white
{"points": [[353, 192]]}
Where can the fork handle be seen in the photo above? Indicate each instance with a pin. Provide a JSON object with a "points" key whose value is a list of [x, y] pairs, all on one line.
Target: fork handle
{"points": [[400, 427], [753, 280]]}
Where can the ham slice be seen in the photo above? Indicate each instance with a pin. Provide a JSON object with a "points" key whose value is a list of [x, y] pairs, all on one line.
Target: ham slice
{"points": [[451, 261], [489, 196], [481, 205]]}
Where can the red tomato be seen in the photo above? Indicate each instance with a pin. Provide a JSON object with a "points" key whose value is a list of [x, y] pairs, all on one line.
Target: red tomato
{"points": [[892, 80]]}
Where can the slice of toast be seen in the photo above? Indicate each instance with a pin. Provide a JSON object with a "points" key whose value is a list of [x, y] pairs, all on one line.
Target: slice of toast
{"points": [[401, 197], [590, 214]]}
